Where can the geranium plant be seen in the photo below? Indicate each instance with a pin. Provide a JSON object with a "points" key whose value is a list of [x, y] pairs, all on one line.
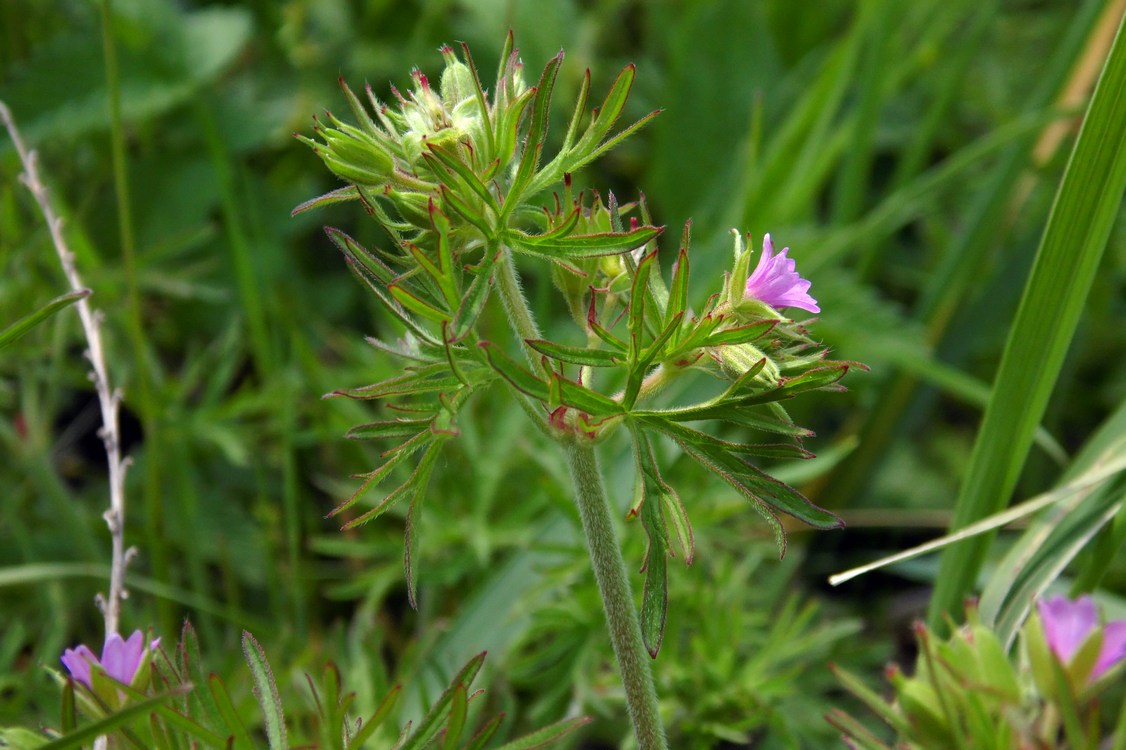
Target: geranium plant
{"points": [[459, 178]]}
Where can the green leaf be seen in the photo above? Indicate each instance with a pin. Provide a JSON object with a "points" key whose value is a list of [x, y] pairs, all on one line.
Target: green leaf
{"points": [[392, 428], [238, 737], [569, 393], [416, 486], [475, 297], [1087, 203], [21, 739], [417, 305], [655, 594], [766, 494], [547, 735], [519, 377], [740, 334], [199, 703], [266, 691], [678, 431], [578, 355], [459, 707], [485, 733], [678, 291], [340, 195], [536, 135], [423, 440], [579, 246], [375, 720], [466, 178], [107, 725], [13, 332], [432, 723], [416, 380]]}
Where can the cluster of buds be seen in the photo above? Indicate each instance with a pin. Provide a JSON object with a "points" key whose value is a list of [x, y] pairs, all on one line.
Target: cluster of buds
{"points": [[968, 692]]}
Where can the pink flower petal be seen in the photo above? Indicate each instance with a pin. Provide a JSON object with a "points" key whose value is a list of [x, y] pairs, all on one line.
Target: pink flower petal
{"points": [[78, 662], [120, 658], [776, 282], [1113, 649], [1067, 624]]}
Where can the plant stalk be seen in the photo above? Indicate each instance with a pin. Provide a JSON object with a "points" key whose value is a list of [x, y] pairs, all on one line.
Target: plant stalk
{"points": [[598, 527], [617, 598]]}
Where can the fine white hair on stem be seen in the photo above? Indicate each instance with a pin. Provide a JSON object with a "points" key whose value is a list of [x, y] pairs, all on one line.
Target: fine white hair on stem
{"points": [[108, 398]]}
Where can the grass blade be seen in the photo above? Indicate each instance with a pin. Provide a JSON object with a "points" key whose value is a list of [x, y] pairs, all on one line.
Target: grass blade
{"points": [[1088, 200]]}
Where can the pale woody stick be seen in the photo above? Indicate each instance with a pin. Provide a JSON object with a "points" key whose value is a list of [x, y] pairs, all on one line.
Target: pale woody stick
{"points": [[109, 399]]}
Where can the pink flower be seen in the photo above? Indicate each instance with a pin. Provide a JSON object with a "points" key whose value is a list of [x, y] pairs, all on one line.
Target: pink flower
{"points": [[776, 283], [120, 658], [1067, 624]]}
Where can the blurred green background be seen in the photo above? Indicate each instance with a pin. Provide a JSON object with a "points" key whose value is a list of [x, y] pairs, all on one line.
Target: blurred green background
{"points": [[907, 153]]}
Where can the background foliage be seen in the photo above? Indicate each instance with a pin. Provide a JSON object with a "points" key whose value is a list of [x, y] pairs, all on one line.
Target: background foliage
{"points": [[907, 153]]}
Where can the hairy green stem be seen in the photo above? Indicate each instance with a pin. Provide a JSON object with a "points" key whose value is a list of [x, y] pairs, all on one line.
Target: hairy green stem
{"points": [[516, 306], [617, 599], [605, 554]]}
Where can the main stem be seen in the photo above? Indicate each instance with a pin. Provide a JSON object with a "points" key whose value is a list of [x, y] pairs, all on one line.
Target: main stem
{"points": [[605, 554], [617, 599]]}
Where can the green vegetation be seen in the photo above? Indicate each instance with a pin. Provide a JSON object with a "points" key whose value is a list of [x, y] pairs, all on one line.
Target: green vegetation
{"points": [[911, 155]]}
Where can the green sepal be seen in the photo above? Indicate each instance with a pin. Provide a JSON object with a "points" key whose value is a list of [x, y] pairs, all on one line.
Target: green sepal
{"points": [[519, 377], [508, 126], [580, 245], [578, 355], [871, 699], [740, 334], [482, 102], [266, 691], [359, 111]]}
